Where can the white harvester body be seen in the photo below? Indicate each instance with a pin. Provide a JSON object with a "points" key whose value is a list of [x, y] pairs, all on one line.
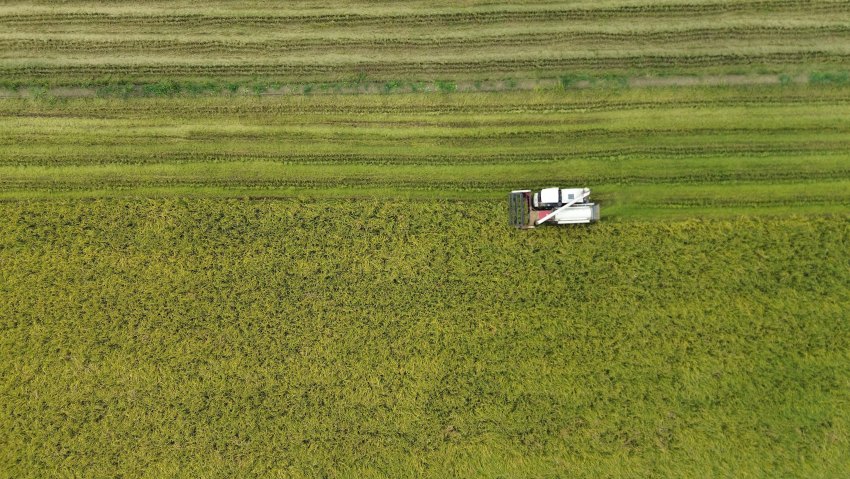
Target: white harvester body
{"points": [[559, 206]]}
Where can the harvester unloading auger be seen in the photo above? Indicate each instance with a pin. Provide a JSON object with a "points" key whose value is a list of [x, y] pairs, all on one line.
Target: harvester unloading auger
{"points": [[559, 206]]}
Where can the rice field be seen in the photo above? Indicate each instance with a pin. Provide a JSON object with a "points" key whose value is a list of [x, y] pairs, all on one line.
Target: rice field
{"points": [[400, 338], [254, 240]]}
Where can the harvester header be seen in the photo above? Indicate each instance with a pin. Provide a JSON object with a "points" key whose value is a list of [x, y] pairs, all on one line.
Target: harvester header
{"points": [[557, 206]]}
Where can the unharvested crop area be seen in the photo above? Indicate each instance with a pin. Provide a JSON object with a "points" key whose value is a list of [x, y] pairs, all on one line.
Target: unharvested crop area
{"points": [[253, 240], [227, 337]]}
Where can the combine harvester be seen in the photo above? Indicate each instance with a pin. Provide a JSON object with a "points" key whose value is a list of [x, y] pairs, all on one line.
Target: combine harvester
{"points": [[556, 206]]}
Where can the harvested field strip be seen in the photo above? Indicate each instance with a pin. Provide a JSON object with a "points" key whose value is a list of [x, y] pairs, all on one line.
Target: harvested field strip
{"points": [[15, 47], [87, 47], [470, 107], [79, 132], [96, 74], [438, 133], [484, 102], [610, 30], [458, 188], [681, 196], [405, 68], [509, 104], [707, 171], [428, 130], [579, 139], [757, 119], [396, 155], [725, 154], [461, 153], [337, 112], [428, 19], [128, 156]]}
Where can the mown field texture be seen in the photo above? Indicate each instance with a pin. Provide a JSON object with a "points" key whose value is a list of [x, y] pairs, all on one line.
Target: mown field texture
{"points": [[647, 152], [83, 43], [254, 240]]}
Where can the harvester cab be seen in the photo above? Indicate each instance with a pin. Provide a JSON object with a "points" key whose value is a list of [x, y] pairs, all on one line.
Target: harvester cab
{"points": [[558, 206]]}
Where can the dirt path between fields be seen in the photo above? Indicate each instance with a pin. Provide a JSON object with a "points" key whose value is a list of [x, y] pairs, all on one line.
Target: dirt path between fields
{"points": [[461, 86]]}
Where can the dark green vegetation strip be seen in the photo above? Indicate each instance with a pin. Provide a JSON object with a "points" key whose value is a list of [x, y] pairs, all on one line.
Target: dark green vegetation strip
{"points": [[395, 338]]}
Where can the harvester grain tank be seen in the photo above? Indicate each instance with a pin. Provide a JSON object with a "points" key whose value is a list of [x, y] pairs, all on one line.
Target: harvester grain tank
{"points": [[557, 206]]}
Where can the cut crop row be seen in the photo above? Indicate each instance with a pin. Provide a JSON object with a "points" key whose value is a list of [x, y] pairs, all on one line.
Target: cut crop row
{"points": [[427, 107], [286, 110], [443, 136], [627, 151], [422, 19], [556, 106], [726, 202], [77, 71], [203, 47]]}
